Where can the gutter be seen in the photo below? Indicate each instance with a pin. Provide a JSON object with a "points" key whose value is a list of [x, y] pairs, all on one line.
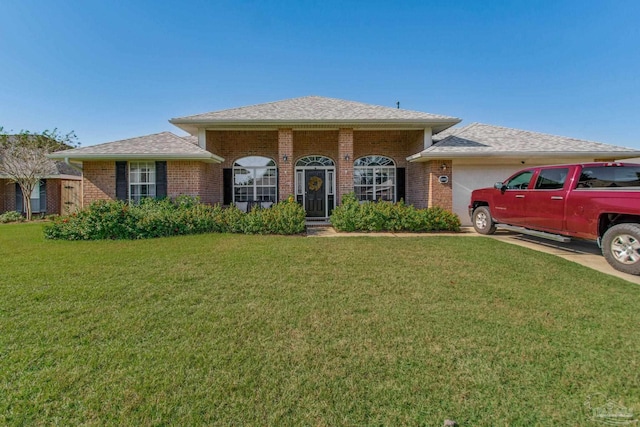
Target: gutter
{"points": [[420, 157]]}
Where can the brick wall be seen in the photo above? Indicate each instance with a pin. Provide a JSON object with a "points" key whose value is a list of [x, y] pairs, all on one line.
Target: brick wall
{"points": [[53, 196], [98, 181], [9, 195], [232, 145], [187, 178], [3, 189], [440, 194], [345, 162], [335, 144], [285, 168]]}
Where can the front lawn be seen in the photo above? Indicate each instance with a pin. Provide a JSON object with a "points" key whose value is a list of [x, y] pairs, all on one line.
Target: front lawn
{"points": [[264, 330]]}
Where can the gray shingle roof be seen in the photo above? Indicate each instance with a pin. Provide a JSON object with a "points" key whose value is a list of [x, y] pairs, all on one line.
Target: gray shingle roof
{"points": [[313, 109], [482, 140], [164, 145]]}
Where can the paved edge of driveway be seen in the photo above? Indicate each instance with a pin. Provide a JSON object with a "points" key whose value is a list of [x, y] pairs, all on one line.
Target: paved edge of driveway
{"points": [[591, 259]]}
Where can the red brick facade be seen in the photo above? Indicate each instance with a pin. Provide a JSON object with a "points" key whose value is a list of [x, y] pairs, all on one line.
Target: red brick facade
{"points": [[286, 146], [98, 181], [441, 194], [53, 196]]}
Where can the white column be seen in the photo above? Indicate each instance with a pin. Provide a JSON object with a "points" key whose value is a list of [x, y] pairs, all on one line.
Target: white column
{"points": [[428, 138], [202, 138]]}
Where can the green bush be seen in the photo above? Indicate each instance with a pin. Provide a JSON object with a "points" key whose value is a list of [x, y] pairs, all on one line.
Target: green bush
{"points": [[11, 216], [352, 215], [185, 215]]}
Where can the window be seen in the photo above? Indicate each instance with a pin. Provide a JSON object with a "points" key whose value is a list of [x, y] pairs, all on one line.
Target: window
{"points": [[374, 178], [551, 179], [610, 177], [520, 181], [35, 198], [255, 180], [142, 180]]}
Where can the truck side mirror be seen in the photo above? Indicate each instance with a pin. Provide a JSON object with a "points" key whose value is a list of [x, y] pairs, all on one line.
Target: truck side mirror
{"points": [[500, 186]]}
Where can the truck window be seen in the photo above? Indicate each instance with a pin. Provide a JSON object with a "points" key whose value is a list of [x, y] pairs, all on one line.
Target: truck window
{"points": [[520, 181], [551, 179], [609, 177]]}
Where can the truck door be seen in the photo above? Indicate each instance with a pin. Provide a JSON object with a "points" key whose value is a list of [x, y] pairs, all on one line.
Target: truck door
{"points": [[545, 203], [510, 203]]}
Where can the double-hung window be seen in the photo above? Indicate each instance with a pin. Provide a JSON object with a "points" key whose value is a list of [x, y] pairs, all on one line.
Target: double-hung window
{"points": [[142, 180]]}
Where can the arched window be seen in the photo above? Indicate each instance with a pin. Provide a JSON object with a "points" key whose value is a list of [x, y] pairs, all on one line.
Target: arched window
{"points": [[255, 180], [315, 161], [374, 178]]}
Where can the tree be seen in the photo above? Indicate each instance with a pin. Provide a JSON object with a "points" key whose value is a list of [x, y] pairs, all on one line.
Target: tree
{"points": [[23, 158]]}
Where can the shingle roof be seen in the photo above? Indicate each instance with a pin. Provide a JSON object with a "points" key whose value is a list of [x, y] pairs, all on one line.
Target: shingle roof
{"points": [[482, 140], [314, 109], [164, 145]]}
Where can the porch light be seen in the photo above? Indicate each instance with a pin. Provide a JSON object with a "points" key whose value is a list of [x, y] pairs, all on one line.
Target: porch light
{"points": [[346, 157], [443, 167], [285, 158]]}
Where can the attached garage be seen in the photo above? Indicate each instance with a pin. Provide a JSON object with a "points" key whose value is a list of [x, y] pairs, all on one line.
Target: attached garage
{"points": [[481, 155]]}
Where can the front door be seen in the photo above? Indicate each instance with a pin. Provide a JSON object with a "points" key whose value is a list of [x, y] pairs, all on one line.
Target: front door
{"points": [[315, 188]]}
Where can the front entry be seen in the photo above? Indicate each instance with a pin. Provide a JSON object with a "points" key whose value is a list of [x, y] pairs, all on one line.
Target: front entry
{"points": [[316, 193]]}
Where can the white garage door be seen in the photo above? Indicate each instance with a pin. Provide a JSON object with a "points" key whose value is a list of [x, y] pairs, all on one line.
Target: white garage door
{"points": [[467, 178]]}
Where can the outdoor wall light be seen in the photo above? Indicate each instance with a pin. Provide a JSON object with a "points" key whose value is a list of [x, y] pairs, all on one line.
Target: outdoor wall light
{"points": [[285, 158], [346, 157], [443, 167]]}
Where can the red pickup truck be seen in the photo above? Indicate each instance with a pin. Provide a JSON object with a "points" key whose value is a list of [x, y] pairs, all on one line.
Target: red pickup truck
{"points": [[594, 201]]}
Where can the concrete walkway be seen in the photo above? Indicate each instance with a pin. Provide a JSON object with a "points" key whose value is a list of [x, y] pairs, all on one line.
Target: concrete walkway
{"points": [[582, 252]]}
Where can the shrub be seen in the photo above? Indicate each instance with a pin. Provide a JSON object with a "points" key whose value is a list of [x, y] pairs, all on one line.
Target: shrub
{"points": [[11, 216], [352, 215], [185, 215]]}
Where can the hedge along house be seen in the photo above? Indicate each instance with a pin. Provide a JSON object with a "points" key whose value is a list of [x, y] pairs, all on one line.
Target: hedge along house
{"points": [[313, 148]]}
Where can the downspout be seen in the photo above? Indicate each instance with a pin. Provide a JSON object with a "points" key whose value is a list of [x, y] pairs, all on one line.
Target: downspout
{"points": [[76, 167]]}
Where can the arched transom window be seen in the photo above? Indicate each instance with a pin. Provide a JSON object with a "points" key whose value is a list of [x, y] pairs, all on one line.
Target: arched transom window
{"points": [[374, 178], [315, 161], [255, 180]]}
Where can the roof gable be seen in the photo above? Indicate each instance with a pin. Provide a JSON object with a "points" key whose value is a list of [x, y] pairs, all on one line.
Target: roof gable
{"points": [[164, 145], [313, 110], [482, 140]]}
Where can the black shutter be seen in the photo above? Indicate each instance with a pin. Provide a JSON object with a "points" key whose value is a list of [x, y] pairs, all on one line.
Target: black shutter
{"points": [[121, 181], [43, 196], [161, 180], [227, 186], [19, 205], [400, 184]]}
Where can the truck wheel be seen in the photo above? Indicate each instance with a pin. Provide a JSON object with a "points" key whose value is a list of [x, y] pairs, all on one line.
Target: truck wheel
{"points": [[621, 247], [482, 221]]}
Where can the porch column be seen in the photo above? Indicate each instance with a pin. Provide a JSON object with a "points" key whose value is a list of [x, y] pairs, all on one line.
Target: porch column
{"points": [[285, 167], [440, 194], [345, 163]]}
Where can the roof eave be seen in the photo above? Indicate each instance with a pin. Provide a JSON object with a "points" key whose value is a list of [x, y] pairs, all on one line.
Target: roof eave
{"points": [[209, 158], [605, 155], [191, 125]]}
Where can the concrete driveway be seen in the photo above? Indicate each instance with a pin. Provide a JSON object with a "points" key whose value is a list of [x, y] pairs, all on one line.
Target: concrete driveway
{"points": [[583, 252]]}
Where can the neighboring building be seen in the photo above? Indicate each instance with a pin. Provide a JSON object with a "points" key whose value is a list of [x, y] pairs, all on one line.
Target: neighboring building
{"points": [[58, 192], [318, 149]]}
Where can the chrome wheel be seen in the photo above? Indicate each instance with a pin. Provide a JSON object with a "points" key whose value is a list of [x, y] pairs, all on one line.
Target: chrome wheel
{"points": [[481, 220], [626, 249]]}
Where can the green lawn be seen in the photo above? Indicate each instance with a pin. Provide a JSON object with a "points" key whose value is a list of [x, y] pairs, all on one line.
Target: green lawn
{"points": [[264, 330]]}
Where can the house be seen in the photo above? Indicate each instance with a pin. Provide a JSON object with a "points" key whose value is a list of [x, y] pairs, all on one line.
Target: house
{"points": [[58, 192], [317, 150]]}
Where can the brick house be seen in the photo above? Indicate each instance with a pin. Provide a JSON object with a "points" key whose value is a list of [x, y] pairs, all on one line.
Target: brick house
{"points": [[317, 150]]}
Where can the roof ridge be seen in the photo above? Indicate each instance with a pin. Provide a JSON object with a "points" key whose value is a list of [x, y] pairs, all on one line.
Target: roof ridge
{"points": [[541, 133]]}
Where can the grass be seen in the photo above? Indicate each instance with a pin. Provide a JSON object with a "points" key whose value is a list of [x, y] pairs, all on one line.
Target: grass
{"points": [[266, 330]]}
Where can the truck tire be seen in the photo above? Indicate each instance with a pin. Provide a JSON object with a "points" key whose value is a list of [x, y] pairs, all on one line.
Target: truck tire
{"points": [[482, 221], [621, 247]]}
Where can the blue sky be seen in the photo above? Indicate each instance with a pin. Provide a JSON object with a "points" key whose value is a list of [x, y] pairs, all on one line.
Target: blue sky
{"points": [[117, 69]]}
